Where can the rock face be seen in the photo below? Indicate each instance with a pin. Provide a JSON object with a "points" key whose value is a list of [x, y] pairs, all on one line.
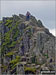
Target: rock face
{"points": [[45, 43], [20, 37]]}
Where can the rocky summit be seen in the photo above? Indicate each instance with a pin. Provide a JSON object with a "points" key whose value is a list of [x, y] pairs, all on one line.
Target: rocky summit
{"points": [[27, 46]]}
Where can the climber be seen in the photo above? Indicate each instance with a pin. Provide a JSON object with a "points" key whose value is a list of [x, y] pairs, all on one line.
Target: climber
{"points": [[27, 16]]}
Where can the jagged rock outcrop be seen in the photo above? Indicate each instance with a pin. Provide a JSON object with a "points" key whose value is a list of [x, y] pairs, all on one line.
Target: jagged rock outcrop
{"points": [[19, 37]]}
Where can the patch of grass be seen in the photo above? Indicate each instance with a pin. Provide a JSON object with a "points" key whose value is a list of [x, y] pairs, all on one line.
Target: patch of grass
{"points": [[12, 44], [9, 26], [9, 54], [8, 22], [15, 62], [6, 39], [16, 34], [30, 69], [0, 22]]}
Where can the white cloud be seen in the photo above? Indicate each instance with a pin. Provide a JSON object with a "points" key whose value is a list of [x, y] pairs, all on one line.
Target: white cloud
{"points": [[53, 31]]}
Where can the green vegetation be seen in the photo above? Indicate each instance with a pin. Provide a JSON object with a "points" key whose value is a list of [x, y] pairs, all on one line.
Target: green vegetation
{"points": [[16, 34], [3, 68], [9, 54], [46, 55], [38, 63], [20, 39], [12, 44], [29, 27], [8, 35], [9, 26], [18, 57], [30, 69], [6, 39], [18, 22], [40, 23], [8, 22], [13, 66], [14, 62], [0, 22], [33, 59]]}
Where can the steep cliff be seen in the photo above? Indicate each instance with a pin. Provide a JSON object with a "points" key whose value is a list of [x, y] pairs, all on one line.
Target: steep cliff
{"points": [[22, 35]]}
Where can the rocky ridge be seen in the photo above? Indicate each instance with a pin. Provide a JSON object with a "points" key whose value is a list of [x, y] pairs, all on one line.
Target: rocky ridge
{"points": [[25, 42]]}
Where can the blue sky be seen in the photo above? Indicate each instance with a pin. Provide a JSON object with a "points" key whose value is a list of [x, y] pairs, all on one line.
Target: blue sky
{"points": [[43, 10]]}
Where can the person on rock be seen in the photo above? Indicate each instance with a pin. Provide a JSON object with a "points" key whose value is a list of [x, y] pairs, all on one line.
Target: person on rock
{"points": [[27, 16]]}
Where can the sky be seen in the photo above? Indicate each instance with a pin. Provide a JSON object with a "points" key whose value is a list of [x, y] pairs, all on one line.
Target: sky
{"points": [[43, 10]]}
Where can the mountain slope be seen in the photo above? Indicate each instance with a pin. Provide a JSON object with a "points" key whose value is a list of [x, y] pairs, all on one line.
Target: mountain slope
{"points": [[24, 37]]}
